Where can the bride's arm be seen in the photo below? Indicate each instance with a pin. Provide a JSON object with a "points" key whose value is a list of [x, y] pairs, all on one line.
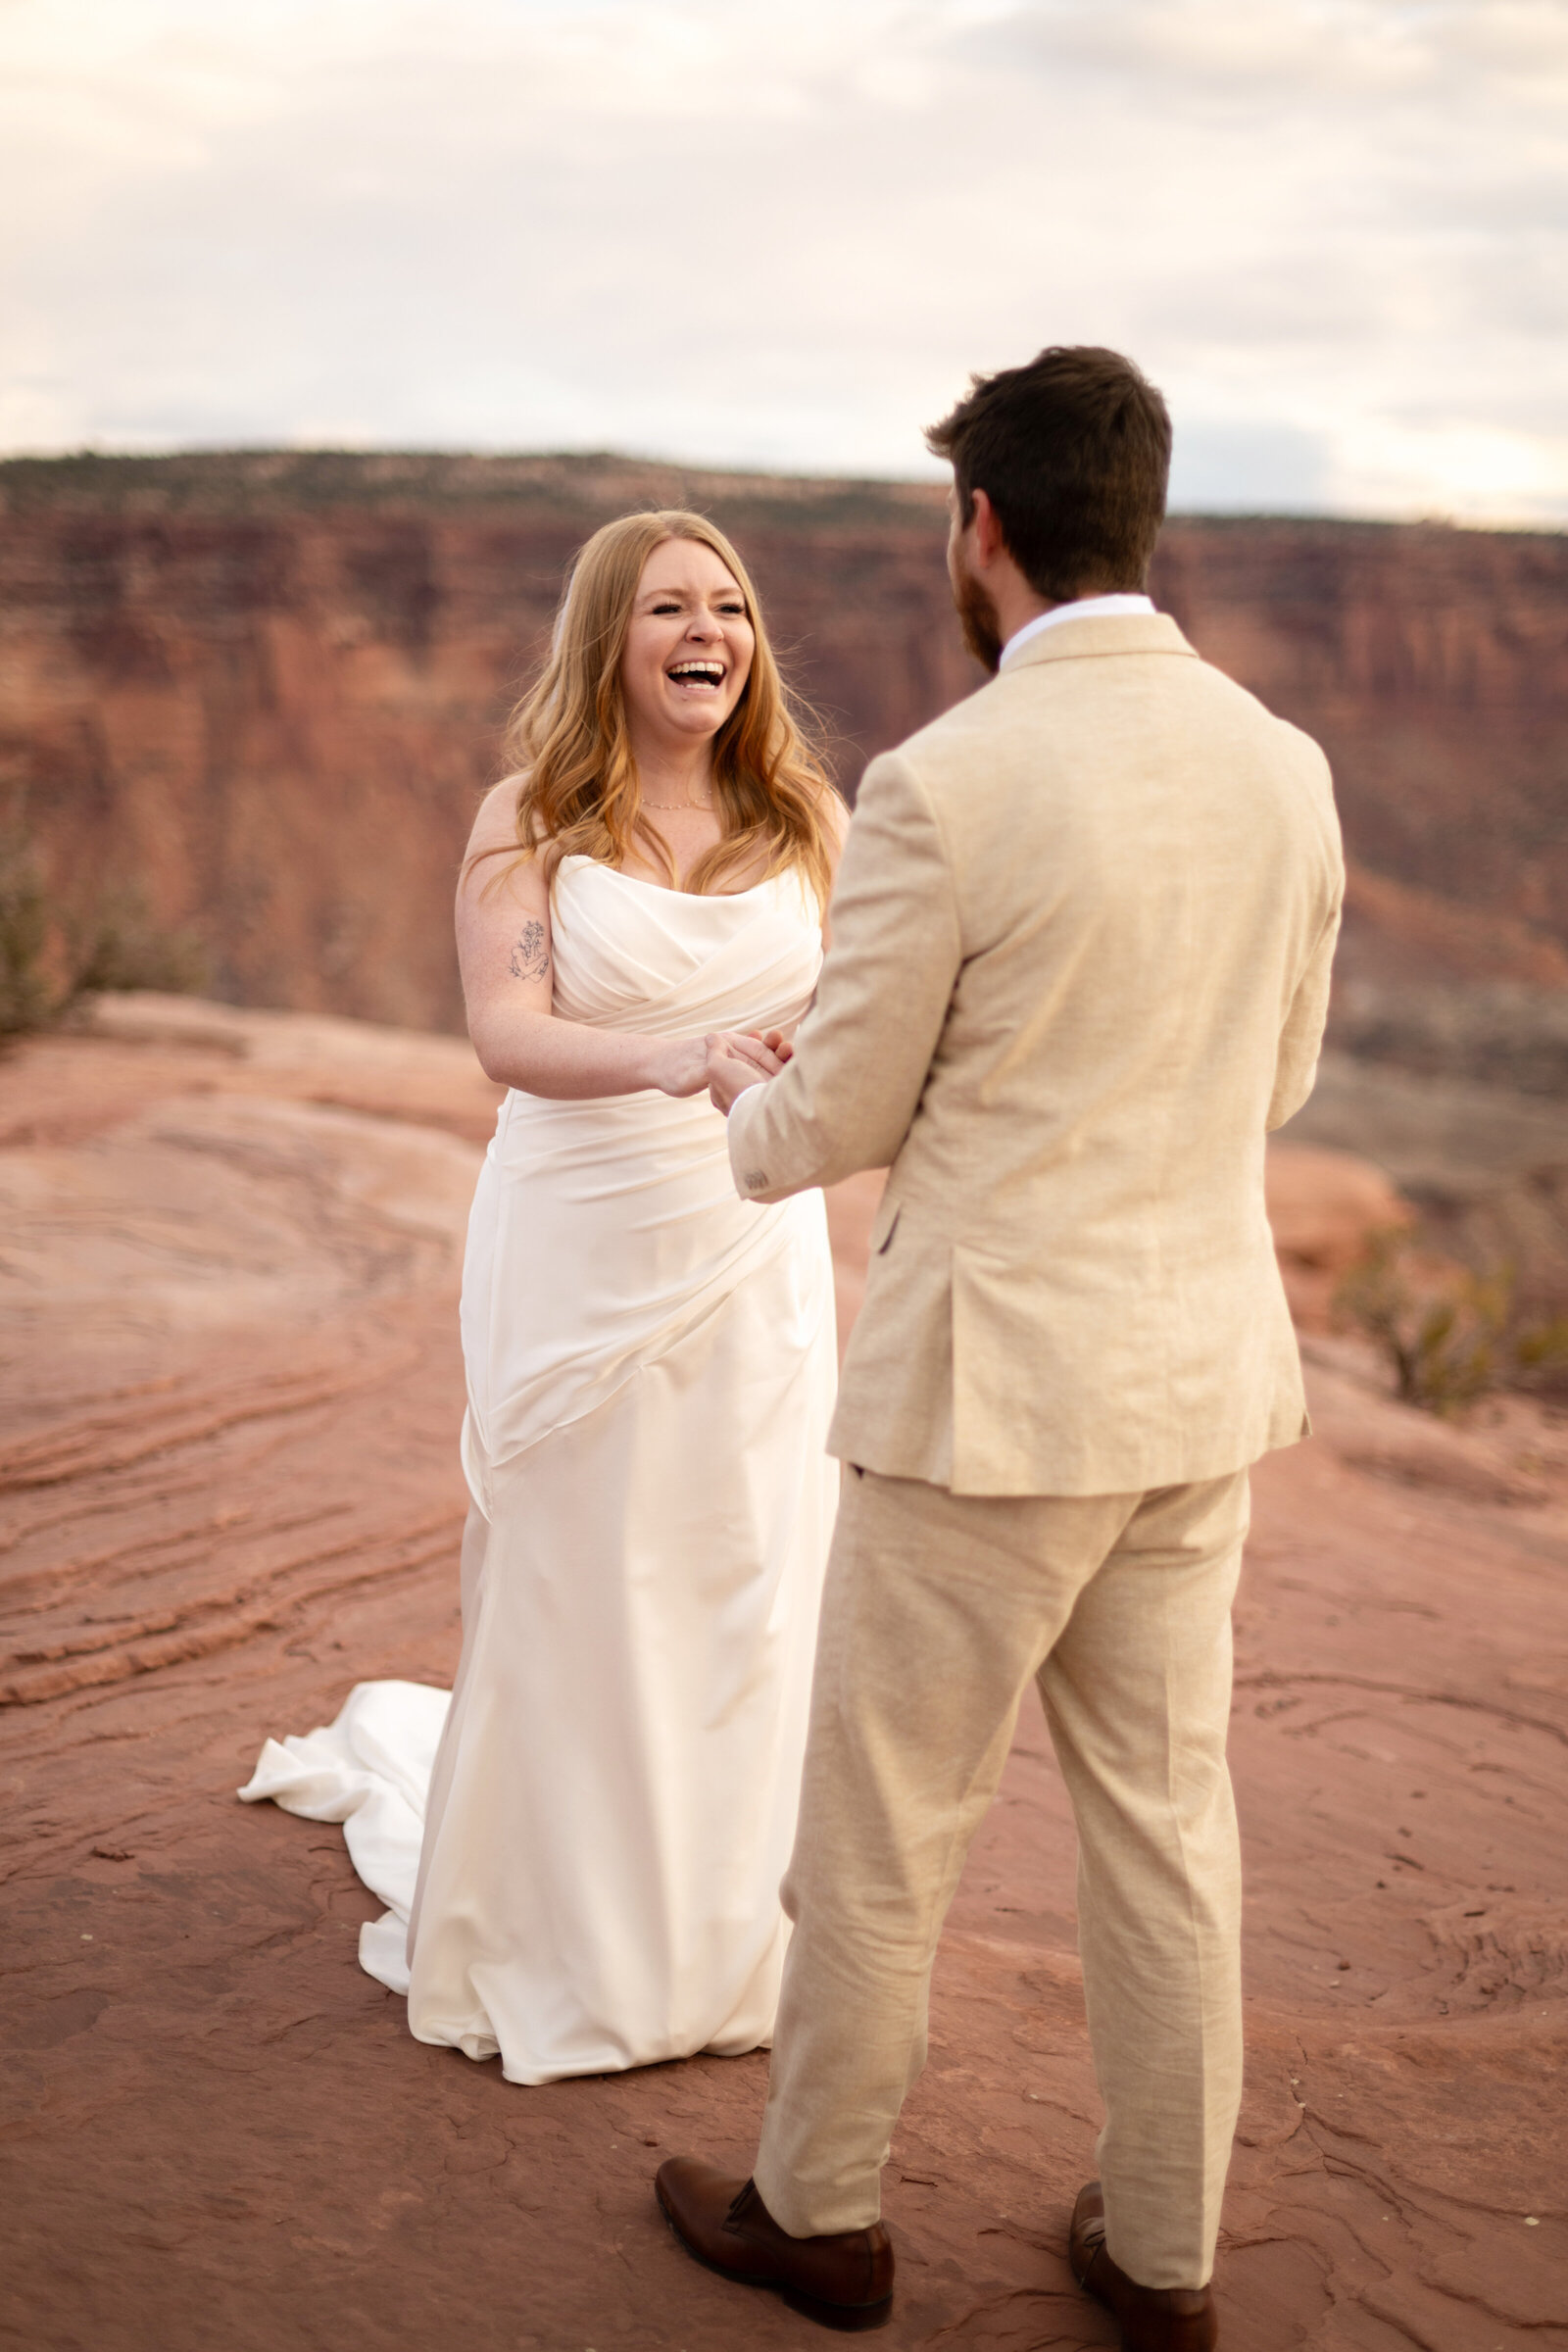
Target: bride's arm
{"points": [[505, 953]]}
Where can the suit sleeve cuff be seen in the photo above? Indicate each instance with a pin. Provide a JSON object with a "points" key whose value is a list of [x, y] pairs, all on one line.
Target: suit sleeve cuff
{"points": [[753, 1181]]}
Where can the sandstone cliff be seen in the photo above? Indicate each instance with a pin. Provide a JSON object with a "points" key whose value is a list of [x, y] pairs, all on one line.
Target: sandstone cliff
{"points": [[267, 688]]}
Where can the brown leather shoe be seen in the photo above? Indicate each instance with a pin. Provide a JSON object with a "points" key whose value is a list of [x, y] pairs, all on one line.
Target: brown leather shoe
{"points": [[841, 2282], [1152, 2319]]}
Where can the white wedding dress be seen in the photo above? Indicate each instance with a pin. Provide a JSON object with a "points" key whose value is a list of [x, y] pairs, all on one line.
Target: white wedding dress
{"points": [[581, 1866]]}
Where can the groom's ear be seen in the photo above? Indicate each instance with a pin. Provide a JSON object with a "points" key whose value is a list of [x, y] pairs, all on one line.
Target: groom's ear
{"points": [[990, 540]]}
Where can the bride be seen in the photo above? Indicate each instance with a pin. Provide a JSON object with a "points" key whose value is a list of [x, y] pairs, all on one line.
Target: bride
{"points": [[650, 1363]]}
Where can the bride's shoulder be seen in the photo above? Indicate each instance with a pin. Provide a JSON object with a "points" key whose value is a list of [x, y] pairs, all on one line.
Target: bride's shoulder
{"points": [[499, 823], [500, 862], [496, 818]]}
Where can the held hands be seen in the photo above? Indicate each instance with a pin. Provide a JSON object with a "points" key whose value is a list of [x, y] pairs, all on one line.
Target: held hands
{"points": [[737, 1061], [726, 1064]]}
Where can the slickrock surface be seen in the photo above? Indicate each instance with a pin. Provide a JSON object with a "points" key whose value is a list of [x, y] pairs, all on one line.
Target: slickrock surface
{"points": [[230, 1387]]}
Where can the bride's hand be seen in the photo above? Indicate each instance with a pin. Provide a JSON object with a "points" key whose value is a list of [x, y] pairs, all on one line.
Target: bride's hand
{"points": [[750, 1044], [678, 1065], [735, 1062], [683, 1065]]}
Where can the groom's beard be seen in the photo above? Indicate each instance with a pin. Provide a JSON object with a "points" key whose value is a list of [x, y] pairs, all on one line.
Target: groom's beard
{"points": [[977, 618]]}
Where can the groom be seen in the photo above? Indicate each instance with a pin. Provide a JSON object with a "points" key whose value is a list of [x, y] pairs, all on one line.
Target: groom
{"points": [[1080, 962]]}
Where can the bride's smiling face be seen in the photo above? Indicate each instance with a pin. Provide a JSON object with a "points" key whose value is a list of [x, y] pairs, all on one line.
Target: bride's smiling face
{"points": [[689, 643]]}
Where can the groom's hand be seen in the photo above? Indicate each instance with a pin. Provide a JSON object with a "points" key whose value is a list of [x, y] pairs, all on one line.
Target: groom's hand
{"points": [[735, 1062]]}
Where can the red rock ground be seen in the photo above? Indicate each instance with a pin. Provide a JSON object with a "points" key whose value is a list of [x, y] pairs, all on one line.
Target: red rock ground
{"points": [[228, 1251]]}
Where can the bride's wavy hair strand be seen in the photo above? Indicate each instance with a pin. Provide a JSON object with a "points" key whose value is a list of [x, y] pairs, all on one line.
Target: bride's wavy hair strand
{"points": [[578, 793]]}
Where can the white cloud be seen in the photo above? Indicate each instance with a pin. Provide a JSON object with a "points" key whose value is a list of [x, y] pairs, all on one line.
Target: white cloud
{"points": [[735, 232]]}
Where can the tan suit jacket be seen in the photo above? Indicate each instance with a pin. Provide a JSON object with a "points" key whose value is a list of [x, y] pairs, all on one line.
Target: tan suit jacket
{"points": [[1080, 945]]}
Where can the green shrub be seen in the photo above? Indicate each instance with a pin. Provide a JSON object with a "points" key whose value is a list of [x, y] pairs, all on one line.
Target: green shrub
{"points": [[29, 996], [121, 946], [1542, 1352], [1447, 1334], [51, 958]]}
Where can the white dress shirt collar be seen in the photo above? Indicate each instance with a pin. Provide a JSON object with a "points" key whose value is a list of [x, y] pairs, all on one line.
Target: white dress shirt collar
{"points": [[1084, 607]]}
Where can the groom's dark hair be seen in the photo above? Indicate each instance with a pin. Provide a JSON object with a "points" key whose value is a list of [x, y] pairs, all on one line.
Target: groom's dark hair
{"points": [[1073, 452]]}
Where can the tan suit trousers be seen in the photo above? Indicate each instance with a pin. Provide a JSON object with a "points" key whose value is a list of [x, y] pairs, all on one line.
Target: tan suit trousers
{"points": [[939, 1608]]}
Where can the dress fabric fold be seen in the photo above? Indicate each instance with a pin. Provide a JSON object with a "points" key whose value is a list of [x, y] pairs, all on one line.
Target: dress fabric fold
{"points": [[600, 1834]]}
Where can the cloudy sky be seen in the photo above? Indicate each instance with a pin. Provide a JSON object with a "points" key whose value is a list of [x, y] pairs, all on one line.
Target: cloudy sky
{"points": [[782, 232]]}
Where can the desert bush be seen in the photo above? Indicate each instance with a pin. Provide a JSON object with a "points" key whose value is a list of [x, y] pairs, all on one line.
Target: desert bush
{"points": [[1447, 1333], [1543, 1354], [122, 946], [51, 956], [28, 990]]}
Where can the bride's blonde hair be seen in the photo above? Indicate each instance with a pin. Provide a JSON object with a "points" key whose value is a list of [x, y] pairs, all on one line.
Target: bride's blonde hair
{"points": [[577, 788]]}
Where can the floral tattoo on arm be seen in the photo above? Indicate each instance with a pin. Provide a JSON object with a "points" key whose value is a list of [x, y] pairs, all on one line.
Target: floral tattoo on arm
{"points": [[530, 957]]}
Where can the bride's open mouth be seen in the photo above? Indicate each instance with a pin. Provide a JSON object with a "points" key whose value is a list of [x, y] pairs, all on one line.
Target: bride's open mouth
{"points": [[697, 677]]}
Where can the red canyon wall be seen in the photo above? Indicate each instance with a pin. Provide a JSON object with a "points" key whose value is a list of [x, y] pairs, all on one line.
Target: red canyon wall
{"points": [[267, 689], [1431, 665]]}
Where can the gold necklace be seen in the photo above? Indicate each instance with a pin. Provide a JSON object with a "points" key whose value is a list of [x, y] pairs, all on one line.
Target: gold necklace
{"points": [[670, 807]]}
